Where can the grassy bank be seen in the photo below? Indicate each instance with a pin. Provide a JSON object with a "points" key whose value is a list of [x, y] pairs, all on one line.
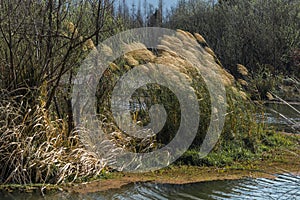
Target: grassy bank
{"points": [[281, 157], [224, 165]]}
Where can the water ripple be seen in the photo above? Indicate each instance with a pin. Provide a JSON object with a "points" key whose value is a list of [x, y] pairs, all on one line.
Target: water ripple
{"points": [[285, 186]]}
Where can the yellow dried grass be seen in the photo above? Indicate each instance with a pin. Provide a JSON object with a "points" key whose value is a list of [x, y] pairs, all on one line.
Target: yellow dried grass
{"points": [[142, 55], [210, 51], [36, 149], [242, 70], [200, 39], [242, 82], [130, 60]]}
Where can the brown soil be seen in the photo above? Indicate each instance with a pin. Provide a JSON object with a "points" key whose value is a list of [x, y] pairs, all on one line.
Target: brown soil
{"points": [[279, 161]]}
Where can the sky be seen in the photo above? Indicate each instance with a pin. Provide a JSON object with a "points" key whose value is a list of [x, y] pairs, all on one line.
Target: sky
{"points": [[167, 4]]}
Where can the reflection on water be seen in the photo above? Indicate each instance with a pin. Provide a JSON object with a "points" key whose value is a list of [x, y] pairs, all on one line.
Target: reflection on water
{"points": [[283, 187]]}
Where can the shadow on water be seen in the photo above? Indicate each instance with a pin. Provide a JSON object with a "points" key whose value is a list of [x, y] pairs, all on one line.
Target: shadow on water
{"points": [[285, 186]]}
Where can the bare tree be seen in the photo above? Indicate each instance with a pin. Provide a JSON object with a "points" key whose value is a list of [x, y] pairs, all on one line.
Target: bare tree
{"points": [[42, 41]]}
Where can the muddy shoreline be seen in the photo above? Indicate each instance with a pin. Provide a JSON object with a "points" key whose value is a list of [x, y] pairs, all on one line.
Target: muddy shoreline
{"points": [[282, 162], [277, 162]]}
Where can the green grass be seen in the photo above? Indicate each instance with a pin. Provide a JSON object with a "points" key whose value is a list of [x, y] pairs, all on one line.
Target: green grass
{"points": [[231, 154]]}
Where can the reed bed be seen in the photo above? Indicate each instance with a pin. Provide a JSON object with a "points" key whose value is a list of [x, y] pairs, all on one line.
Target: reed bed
{"points": [[34, 148]]}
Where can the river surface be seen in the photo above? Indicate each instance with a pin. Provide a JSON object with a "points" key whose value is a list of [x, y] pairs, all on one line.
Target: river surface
{"points": [[282, 117], [285, 186]]}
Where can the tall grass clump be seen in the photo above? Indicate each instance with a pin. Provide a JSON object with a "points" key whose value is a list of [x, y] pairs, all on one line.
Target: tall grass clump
{"points": [[34, 147], [152, 94], [241, 134]]}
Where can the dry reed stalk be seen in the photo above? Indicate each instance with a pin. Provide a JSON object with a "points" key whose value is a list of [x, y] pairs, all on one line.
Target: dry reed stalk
{"points": [[33, 148]]}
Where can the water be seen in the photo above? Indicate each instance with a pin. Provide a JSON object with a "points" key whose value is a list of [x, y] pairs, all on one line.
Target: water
{"points": [[285, 186], [282, 117]]}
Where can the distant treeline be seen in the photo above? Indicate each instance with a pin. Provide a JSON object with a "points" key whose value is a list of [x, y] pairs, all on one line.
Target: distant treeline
{"points": [[254, 33], [42, 43], [250, 32]]}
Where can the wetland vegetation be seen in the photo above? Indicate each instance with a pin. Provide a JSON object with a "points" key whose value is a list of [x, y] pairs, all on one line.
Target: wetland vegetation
{"points": [[256, 49]]}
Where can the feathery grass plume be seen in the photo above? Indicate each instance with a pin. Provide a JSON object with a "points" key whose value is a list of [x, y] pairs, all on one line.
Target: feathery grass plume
{"points": [[218, 61], [162, 47], [166, 51], [114, 67], [210, 51], [130, 60], [187, 78], [185, 34], [229, 76], [89, 45], [234, 90], [171, 43], [226, 81], [174, 41], [270, 96], [133, 46], [71, 29], [165, 42], [166, 58], [127, 67], [106, 50], [242, 70], [243, 95], [144, 68], [242, 82], [190, 35], [200, 39], [142, 55]]}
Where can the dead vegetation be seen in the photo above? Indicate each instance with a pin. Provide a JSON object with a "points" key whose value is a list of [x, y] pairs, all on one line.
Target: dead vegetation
{"points": [[35, 149]]}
